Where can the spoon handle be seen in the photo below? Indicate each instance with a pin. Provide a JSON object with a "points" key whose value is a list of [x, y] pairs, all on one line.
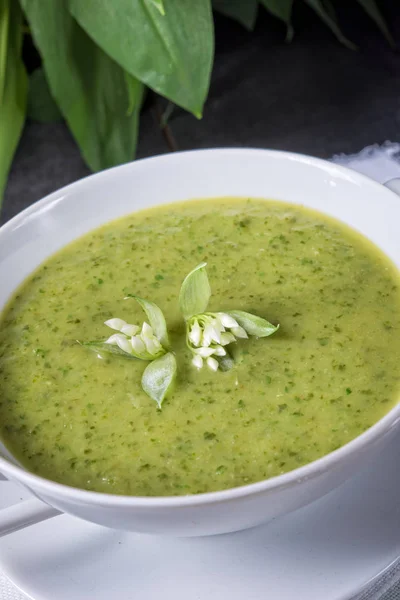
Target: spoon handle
{"points": [[24, 514]]}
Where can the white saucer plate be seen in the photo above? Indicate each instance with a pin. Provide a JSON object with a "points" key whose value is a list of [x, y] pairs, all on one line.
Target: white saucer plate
{"points": [[328, 550]]}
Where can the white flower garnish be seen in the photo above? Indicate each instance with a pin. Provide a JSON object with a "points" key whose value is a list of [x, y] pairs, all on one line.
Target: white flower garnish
{"points": [[142, 343], [208, 333], [149, 343], [212, 364]]}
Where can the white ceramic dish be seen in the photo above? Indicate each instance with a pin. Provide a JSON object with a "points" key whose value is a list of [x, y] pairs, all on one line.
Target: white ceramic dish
{"points": [[328, 550], [42, 229]]}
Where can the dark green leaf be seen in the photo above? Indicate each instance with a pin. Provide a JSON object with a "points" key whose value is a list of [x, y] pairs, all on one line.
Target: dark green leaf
{"points": [[158, 377], [243, 11], [136, 93], [372, 9], [326, 12], [4, 34], [172, 54], [252, 324], [195, 292], [41, 104], [330, 9], [88, 86], [103, 348], [156, 320], [282, 9], [13, 85]]}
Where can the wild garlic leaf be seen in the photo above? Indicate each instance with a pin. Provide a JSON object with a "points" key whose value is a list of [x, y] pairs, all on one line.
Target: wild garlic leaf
{"points": [[13, 85], [372, 9], [282, 9], [326, 11], [195, 292], [41, 105], [171, 53], [243, 11], [253, 324], [103, 348], [159, 4], [156, 319], [94, 94], [158, 377]]}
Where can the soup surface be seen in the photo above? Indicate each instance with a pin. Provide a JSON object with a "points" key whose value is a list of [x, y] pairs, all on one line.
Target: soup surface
{"points": [[329, 373]]}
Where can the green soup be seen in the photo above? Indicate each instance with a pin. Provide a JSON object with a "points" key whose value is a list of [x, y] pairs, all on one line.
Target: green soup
{"points": [[329, 373]]}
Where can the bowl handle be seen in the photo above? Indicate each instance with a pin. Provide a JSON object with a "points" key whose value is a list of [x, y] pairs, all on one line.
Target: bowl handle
{"points": [[24, 514], [394, 185]]}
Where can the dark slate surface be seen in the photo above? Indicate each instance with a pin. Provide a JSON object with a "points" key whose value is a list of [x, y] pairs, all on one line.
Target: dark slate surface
{"points": [[312, 96]]}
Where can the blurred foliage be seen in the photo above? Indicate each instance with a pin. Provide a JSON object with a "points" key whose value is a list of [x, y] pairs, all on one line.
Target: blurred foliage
{"points": [[98, 57]]}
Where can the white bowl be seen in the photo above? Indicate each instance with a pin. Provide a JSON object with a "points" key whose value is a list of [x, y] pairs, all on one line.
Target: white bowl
{"points": [[39, 231]]}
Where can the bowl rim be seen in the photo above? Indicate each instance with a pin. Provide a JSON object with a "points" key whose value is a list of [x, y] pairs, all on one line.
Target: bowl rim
{"points": [[37, 483]]}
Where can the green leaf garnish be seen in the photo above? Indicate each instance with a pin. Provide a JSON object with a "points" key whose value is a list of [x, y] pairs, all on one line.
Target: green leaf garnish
{"points": [[149, 343], [208, 335], [158, 377], [226, 363], [253, 325], [102, 348], [195, 292], [156, 319]]}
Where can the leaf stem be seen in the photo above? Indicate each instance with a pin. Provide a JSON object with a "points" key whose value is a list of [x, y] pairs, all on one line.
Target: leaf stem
{"points": [[164, 126]]}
